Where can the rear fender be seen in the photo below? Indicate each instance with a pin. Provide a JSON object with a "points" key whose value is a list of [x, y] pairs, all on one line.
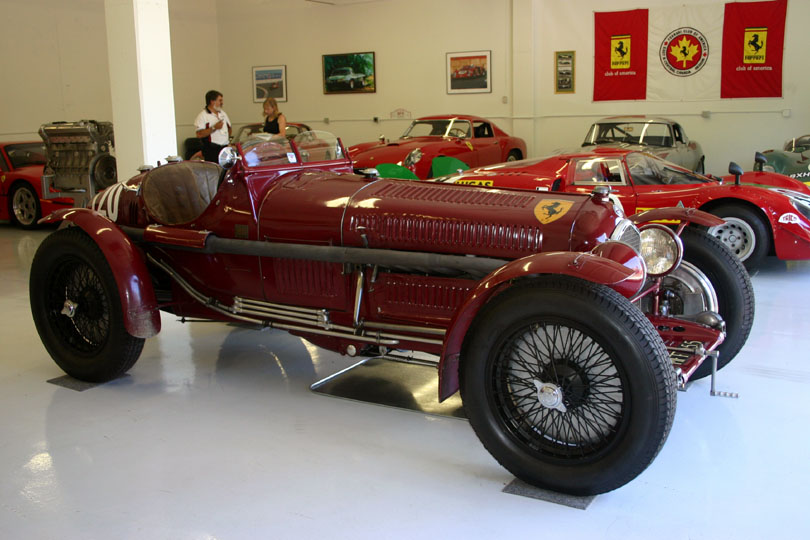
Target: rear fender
{"points": [[625, 278], [141, 315]]}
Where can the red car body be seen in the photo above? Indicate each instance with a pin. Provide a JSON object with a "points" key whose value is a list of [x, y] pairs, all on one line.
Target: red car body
{"points": [[21, 201], [471, 139], [363, 265], [772, 208]]}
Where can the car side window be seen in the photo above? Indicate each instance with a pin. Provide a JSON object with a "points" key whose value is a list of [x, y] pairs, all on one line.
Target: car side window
{"points": [[676, 129], [598, 171], [482, 129], [3, 165]]}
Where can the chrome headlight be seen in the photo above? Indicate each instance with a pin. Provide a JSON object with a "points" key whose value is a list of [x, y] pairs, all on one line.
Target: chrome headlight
{"points": [[413, 157], [627, 232], [661, 249]]}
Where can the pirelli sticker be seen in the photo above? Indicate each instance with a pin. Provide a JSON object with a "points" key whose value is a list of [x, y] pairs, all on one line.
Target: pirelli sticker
{"points": [[551, 210], [471, 182]]}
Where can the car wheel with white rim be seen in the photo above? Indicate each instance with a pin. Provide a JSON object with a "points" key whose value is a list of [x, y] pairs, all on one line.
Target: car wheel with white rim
{"points": [[744, 233]]}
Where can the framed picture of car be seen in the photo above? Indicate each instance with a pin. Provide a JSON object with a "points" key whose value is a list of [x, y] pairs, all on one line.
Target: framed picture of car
{"points": [[269, 81], [349, 73], [564, 72], [469, 72]]}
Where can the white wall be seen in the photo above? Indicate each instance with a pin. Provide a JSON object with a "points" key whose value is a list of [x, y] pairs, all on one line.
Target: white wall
{"points": [[409, 39], [57, 69], [53, 64], [735, 129]]}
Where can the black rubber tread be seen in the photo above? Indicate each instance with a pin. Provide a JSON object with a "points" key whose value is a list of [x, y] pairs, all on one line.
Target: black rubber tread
{"points": [[732, 284], [515, 153], [761, 229], [38, 214], [635, 344], [118, 350]]}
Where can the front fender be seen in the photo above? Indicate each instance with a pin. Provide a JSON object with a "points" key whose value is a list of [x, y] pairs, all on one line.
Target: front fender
{"points": [[677, 213], [141, 314], [586, 266]]}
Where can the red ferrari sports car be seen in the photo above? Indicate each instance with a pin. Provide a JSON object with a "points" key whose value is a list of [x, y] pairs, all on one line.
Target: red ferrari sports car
{"points": [[765, 213], [21, 201], [470, 139], [525, 299]]}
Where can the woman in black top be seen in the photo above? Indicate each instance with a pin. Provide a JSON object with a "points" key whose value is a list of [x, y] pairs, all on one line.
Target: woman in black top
{"points": [[274, 121]]}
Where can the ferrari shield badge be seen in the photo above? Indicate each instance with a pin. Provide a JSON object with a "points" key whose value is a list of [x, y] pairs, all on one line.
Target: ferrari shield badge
{"points": [[551, 210]]}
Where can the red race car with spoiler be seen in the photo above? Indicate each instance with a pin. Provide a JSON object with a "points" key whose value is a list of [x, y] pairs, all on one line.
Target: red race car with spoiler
{"points": [[528, 301]]}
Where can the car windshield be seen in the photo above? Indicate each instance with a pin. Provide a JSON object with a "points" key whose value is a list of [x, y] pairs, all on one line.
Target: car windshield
{"points": [[22, 155], [262, 149], [446, 127], [342, 71], [652, 133], [646, 169]]}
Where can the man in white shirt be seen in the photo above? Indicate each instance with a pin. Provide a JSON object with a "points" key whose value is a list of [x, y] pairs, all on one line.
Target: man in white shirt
{"points": [[211, 126]]}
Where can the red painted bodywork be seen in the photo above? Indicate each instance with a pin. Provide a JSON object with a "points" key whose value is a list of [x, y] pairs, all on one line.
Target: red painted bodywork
{"points": [[31, 175], [323, 204], [791, 239], [474, 151]]}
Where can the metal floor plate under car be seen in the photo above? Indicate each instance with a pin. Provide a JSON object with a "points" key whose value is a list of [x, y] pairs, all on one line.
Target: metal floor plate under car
{"points": [[394, 383]]}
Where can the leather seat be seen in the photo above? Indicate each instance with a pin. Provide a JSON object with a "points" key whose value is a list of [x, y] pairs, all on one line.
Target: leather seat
{"points": [[179, 192]]}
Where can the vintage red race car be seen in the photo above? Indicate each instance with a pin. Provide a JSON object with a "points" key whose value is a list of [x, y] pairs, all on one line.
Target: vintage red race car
{"points": [[21, 202], [525, 299], [470, 139], [765, 213]]}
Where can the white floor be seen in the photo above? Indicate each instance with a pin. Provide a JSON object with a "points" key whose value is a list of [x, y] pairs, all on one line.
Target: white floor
{"points": [[215, 435]]}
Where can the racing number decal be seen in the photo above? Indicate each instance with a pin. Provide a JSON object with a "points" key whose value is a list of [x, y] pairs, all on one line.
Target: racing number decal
{"points": [[106, 202], [484, 183], [551, 210]]}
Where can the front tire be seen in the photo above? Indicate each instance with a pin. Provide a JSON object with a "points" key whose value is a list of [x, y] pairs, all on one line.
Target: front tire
{"points": [[24, 208], [745, 233], [732, 285], [567, 385], [77, 309]]}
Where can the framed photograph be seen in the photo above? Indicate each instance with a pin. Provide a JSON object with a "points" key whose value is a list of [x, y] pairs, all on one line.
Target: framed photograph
{"points": [[564, 72], [350, 73], [269, 81], [469, 72]]}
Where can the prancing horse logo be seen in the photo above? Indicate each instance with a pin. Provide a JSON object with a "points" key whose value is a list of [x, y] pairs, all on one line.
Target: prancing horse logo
{"points": [[551, 210]]}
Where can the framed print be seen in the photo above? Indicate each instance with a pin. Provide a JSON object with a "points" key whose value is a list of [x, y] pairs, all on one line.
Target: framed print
{"points": [[469, 72], [350, 73], [269, 81], [564, 72]]}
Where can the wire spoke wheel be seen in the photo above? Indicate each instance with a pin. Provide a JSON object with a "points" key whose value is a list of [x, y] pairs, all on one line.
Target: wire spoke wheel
{"points": [[77, 309], [558, 391], [78, 306], [567, 385]]}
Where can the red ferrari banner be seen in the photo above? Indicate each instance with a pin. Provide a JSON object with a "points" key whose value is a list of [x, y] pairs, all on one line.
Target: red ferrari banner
{"points": [[620, 57], [753, 41]]}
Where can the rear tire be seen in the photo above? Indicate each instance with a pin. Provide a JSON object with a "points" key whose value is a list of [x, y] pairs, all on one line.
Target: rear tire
{"points": [[23, 206], [514, 155], [564, 341], [77, 308]]}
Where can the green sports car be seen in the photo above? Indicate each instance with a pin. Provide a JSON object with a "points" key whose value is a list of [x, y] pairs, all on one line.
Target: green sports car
{"points": [[793, 160]]}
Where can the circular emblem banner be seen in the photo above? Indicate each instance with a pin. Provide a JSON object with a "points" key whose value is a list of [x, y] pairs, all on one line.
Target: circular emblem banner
{"points": [[684, 51]]}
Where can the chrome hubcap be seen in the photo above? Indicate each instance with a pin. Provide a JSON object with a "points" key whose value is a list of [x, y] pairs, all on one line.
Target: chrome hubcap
{"points": [[550, 396], [69, 309]]}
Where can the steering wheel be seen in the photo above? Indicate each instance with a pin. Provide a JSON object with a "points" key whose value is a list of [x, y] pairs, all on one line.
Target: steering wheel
{"points": [[457, 132]]}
